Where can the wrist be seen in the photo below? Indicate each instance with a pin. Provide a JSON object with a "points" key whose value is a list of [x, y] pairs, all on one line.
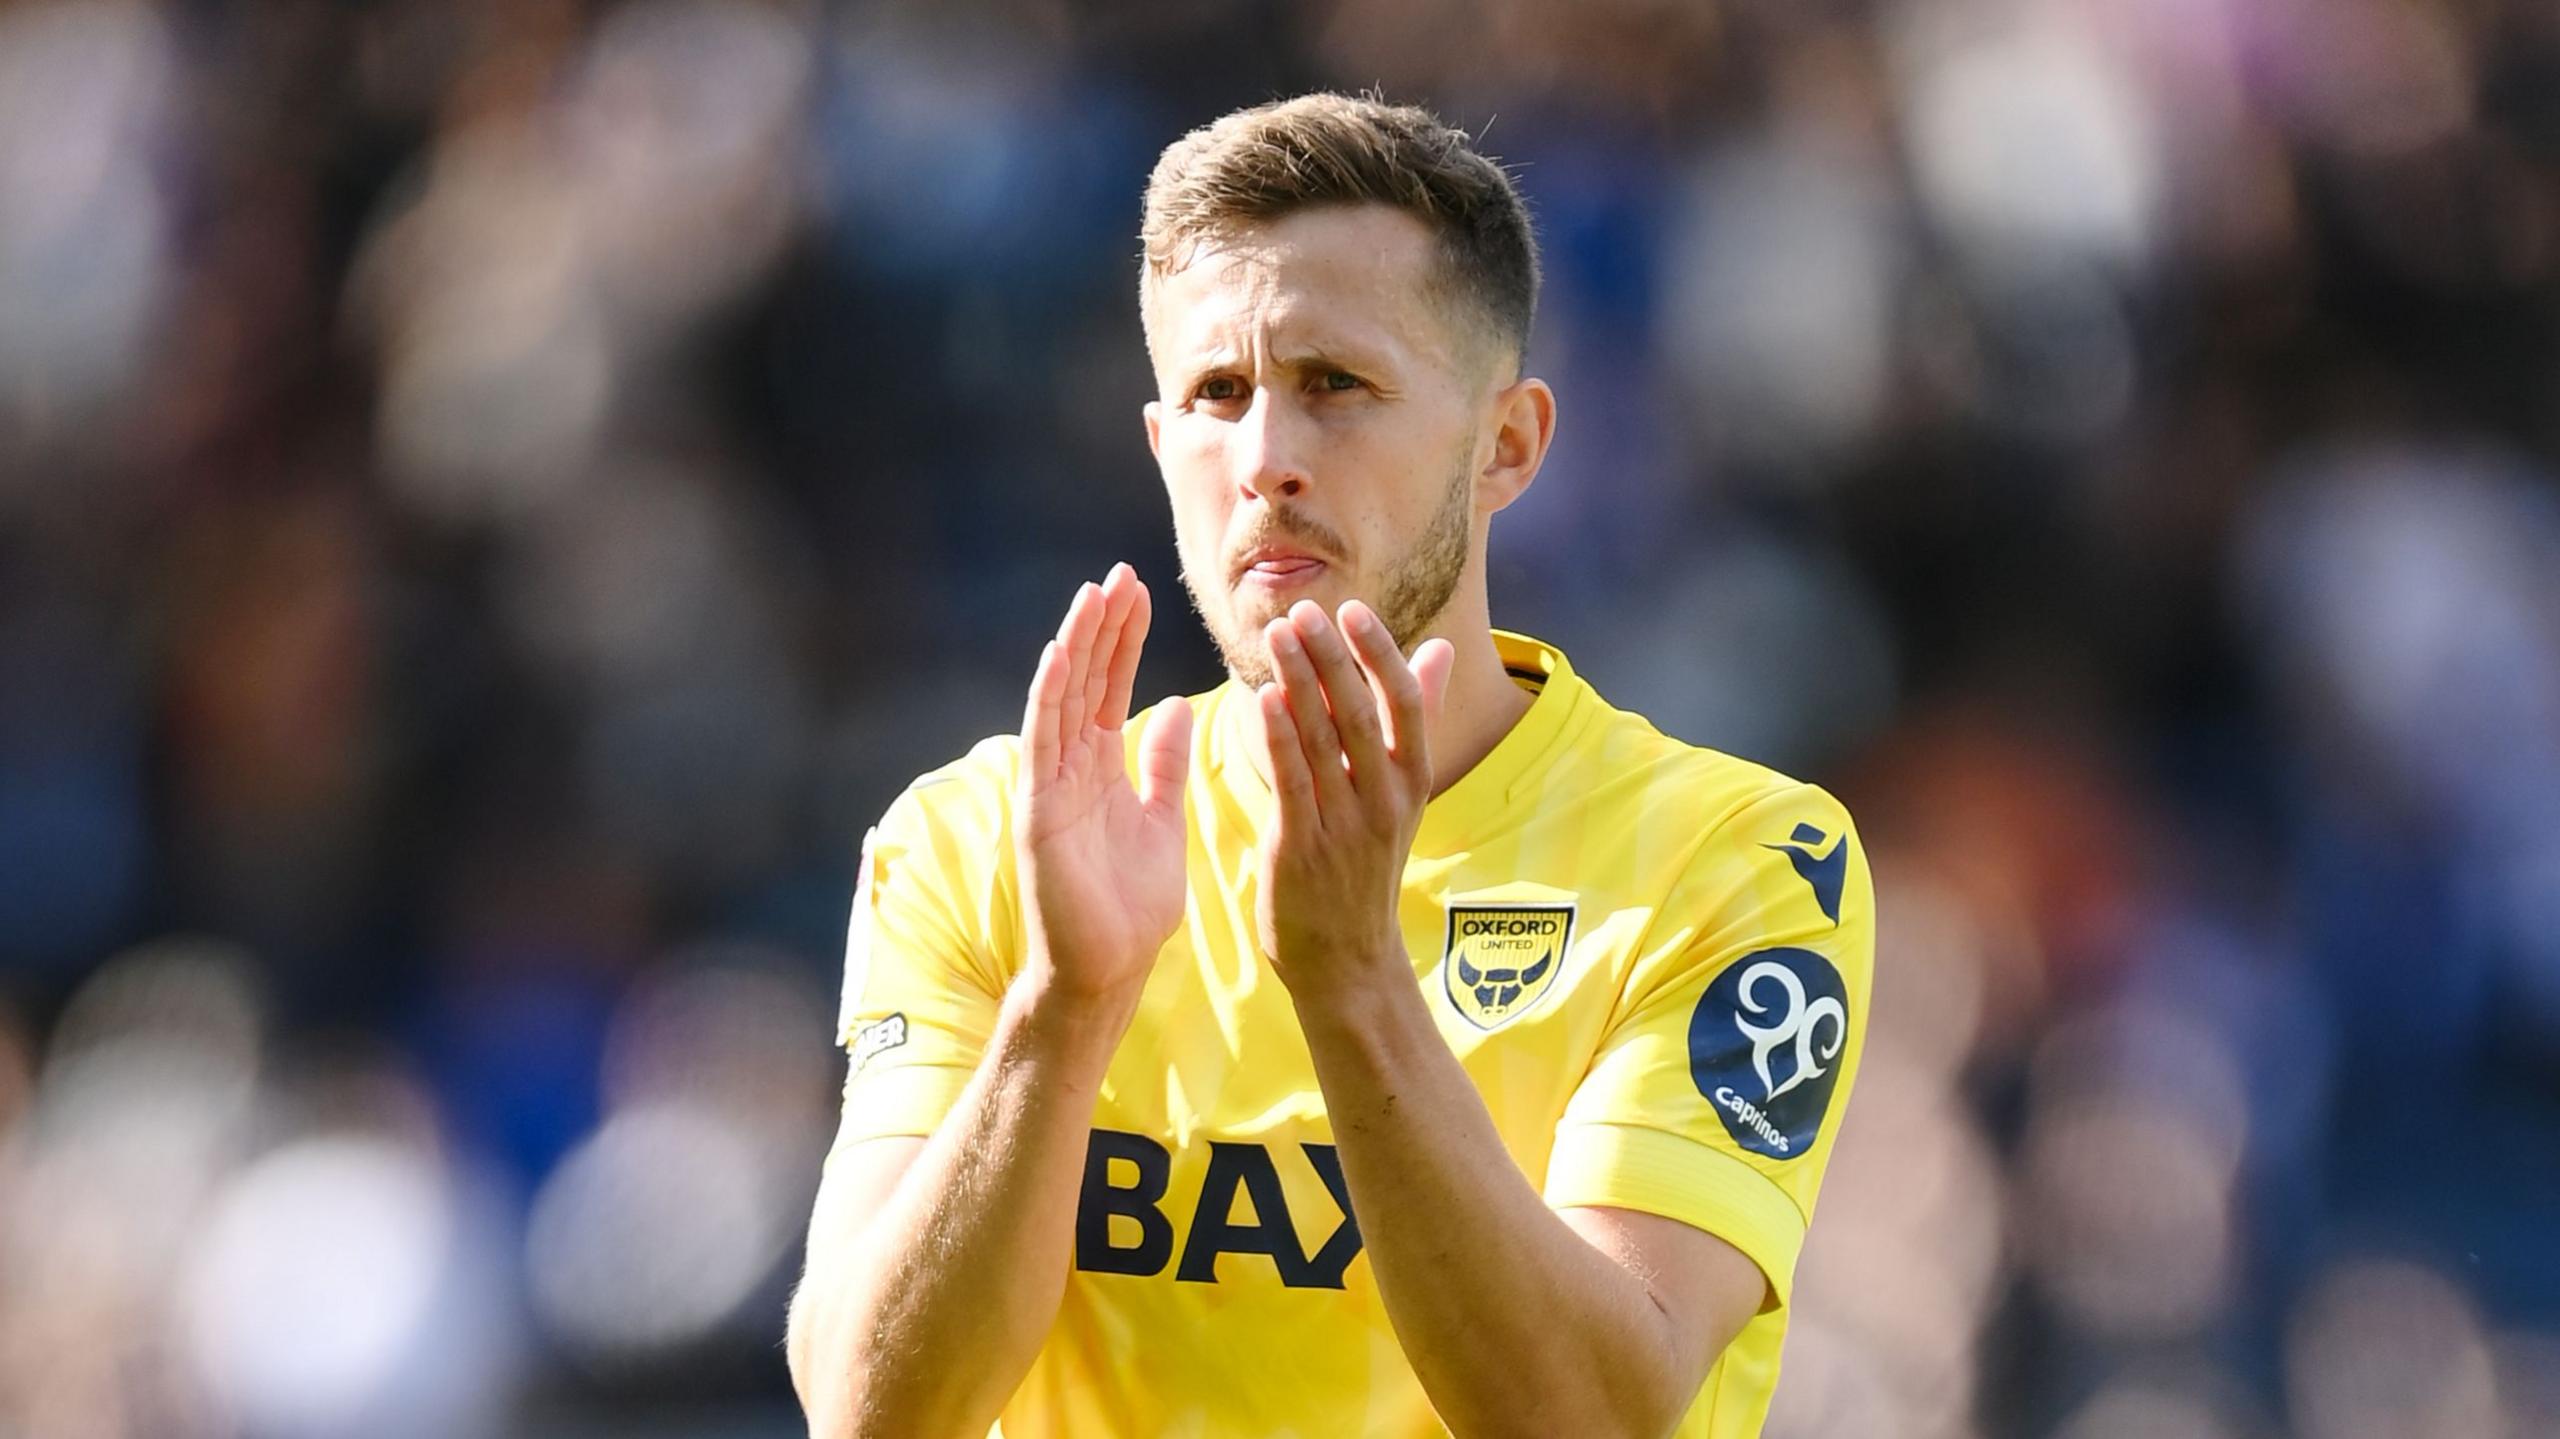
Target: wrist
{"points": [[1368, 1035], [1075, 1025], [1354, 983]]}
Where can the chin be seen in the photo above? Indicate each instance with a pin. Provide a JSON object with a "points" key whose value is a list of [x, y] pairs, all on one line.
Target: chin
{"points": [[1251, 612], [1248, 614], [1255, 605]]}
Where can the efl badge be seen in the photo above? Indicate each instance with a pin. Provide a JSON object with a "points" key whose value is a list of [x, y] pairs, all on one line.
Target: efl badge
{"points": [[1501, 957]]}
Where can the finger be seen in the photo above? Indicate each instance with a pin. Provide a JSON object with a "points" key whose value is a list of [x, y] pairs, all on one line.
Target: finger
{"points": [[1308, 717], [1164, 756], [1432, 664], [1075, 646], [1398, 693], [1040, 714], [1118, 592], [1291, 782], [1123, 678], [1346, 693]]}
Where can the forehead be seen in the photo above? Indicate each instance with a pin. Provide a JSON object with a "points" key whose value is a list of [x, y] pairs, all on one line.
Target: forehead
{"points": [[1336, 278]]}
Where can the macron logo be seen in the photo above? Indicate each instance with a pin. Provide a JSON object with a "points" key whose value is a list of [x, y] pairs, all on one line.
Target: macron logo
{"points": [[1825, 872]]}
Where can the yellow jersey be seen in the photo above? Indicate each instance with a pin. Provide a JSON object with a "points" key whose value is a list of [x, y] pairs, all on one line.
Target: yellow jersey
{"points": [[1652, 959]]}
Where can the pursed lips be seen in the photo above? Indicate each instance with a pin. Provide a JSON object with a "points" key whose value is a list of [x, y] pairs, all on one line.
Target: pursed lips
{"points": [[1279, 564]]}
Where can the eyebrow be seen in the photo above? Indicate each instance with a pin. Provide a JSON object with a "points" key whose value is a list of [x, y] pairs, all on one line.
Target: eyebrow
{"points": [[1311, 357], [1316, 357]]}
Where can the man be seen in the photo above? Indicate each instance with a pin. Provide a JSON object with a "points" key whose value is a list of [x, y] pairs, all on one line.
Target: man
{"points": [[1395, 1037]]}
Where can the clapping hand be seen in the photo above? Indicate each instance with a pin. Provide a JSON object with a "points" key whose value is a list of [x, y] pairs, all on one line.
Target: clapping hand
{"points": [[1344, 730], [1100, 859]]}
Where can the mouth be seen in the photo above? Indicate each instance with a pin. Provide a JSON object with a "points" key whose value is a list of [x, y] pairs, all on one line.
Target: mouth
{"points": [[1280, 567]]}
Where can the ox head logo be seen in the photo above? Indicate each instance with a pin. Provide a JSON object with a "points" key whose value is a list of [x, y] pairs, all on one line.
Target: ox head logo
{"points": [[1501, 958]]}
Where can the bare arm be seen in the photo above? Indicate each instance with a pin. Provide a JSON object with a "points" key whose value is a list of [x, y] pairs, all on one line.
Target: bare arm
{"points": [[1517, 1319], [936, 1265]]}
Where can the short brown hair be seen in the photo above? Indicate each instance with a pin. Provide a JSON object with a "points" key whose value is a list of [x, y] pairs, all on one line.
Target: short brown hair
{"points": [[1258, 165]]}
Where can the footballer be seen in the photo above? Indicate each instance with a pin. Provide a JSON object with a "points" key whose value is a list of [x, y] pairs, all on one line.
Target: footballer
{"points": [[1397, 1039]]}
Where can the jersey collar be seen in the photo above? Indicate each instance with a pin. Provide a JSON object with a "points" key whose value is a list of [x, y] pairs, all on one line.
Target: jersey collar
{"points": [[1461, 815]]}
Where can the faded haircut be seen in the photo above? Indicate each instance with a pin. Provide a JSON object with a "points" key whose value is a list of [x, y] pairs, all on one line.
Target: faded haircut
{"points": [[1259, 165]]}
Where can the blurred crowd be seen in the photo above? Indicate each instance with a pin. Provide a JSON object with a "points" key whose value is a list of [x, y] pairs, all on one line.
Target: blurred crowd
{"points": [[496, 495]]}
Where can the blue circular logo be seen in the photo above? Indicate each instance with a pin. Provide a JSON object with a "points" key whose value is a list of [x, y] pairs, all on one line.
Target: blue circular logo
{"points": [[1765, 1046]]}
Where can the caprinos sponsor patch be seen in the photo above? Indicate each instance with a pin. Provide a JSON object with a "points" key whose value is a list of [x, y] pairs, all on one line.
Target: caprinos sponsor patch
{"points": [[1765, 1046]]}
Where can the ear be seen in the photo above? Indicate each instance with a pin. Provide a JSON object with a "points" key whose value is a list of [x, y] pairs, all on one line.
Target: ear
{"points": [[1154, 411], [1524, 424]]}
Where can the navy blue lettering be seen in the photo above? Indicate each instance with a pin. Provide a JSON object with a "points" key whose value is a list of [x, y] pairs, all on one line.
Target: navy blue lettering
{"points": [[1139, 1201], [1325, 1270], [1215, 1230], [1213, 1227]]}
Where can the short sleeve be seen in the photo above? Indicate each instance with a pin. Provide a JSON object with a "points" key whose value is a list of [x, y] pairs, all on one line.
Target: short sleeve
{"points": [[1719, 1086], [933, 940]]}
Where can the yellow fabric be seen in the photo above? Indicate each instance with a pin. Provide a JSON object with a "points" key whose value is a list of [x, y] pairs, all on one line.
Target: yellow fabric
{"points": [[1683, 867]]}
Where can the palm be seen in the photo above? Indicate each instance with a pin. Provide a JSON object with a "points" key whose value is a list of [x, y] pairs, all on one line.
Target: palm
{"points": [[1102, 858]]}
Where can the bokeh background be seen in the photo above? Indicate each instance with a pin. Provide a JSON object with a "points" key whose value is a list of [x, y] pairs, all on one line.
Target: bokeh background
{"points": [[496, 496]]}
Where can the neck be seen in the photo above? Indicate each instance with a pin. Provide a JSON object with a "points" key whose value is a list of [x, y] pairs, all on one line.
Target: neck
{"points": [[1478, 708], [1482, 702]]}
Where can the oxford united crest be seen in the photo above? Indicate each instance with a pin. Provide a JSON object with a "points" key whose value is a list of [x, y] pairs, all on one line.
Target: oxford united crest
{"points": [[1501, 957]]}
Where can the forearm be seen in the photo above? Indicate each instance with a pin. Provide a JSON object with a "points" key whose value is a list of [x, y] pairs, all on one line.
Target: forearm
{"points": [[1512, 1322], [925, 1320]]}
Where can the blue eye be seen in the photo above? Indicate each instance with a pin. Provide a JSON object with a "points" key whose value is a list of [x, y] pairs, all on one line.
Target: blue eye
{"points": [[1341, 380], [1220, 387]]}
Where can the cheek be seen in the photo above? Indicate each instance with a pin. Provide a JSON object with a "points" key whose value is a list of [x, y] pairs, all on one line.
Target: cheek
{"points": [[1201, 511], [1414, 480], [1194, 453]]}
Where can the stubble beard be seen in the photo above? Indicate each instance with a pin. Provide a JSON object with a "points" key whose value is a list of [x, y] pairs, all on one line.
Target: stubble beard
{"points": [[1416, 588]]}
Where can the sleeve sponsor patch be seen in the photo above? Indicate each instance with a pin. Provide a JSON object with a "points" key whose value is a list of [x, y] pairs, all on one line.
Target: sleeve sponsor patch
{"points": [[1765, 1045], [875, 1037]]}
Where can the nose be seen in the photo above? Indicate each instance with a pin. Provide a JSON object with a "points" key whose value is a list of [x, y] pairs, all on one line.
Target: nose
{"points": [[1272, 445]]}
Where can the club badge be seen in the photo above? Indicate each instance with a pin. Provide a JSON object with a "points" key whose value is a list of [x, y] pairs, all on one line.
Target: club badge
{"points": [[1501, 958]]}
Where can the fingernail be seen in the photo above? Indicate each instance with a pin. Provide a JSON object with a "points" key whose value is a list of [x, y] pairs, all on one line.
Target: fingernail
{"points": [[1356, 617], [1285, 639]]}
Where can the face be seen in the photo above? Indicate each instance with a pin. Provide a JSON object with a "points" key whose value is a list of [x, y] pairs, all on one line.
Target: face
{"points": [[1318, 422]]}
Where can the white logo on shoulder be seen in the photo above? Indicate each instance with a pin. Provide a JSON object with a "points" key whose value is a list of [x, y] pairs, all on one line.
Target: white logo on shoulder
{"points": [[872, 1038], [1799, 1023]]}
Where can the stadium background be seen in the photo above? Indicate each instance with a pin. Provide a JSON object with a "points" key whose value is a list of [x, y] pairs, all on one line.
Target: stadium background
{"points": [[494, 497]]}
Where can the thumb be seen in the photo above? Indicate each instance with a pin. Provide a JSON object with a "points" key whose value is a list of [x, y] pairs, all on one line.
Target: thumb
{"points": [[1431, 665], [1164, 755]]}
